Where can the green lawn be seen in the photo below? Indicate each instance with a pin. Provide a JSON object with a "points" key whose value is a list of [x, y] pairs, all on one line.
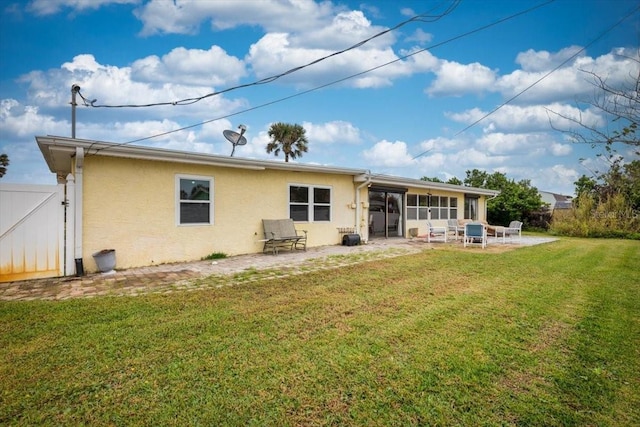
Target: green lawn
{"points": [[545, 335]]}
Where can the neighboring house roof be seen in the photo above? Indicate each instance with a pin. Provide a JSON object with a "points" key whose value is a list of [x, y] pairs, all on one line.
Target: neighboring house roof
{"points": [[555, 200], [59, 151]]}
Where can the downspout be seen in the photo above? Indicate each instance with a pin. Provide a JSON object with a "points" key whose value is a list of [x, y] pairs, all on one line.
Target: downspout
{"points": [[358, 204], [79, 165], [486, 206]]}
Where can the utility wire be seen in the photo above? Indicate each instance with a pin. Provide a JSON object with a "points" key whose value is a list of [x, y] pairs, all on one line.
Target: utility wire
{"points": [[550, 72], [484, 27], [188, 101]]}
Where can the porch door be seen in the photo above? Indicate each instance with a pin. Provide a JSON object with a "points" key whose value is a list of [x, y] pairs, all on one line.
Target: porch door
{"points": [[470, 207], [386, 213]]}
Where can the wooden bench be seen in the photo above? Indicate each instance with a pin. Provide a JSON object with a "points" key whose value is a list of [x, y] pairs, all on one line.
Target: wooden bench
{"points": [[282, 234]]}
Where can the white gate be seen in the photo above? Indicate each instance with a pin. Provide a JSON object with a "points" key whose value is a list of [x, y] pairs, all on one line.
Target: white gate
{"points": [[31, 231]]}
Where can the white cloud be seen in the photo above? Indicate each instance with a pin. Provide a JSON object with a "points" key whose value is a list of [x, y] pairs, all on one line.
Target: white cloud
{"points": [[161, 16], [420, 37], [542, 60], [562, 85], [211, 67], [439, 144], [388, 154], [558, 149], [50, 7], [556, 177], [474, 158], [536, 83], [455, 79], [534, 118], [503, 144], [275, 53], [522, 144], [345, 30], [22, 121], [335, 132], [113, 85], [433, 163]]}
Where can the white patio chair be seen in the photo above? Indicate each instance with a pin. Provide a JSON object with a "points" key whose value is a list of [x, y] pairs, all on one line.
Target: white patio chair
{"points": [[435, 233], [514, 229], [475, 233], [455, 228]]}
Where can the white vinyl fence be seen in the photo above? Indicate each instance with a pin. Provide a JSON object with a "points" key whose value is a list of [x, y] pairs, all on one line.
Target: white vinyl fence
{"points": [[31, 231]]}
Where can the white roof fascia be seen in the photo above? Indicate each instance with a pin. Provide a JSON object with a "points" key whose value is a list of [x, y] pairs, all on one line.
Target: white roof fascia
{"points": [[49, 144], [58, 149]]}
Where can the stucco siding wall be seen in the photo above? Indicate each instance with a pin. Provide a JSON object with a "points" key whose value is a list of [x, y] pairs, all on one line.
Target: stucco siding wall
{"points": [[130, 206]]}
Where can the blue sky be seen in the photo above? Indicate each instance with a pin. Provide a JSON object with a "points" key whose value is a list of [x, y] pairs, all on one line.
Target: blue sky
{"points": [[432, 78]]}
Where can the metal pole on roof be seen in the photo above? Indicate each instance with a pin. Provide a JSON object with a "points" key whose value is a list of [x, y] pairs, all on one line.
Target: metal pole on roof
{"points": [[74, 90]]}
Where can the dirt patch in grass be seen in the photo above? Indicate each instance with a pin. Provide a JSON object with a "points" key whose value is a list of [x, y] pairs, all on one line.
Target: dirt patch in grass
{"points": [[550, 335]]}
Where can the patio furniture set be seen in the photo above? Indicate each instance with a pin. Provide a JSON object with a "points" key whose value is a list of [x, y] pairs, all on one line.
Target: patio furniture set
{"points": [[472, 232], [282, 234]]}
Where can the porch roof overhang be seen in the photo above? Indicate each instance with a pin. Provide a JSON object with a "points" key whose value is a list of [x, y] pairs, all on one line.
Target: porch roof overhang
{"points": [[400, 182]]}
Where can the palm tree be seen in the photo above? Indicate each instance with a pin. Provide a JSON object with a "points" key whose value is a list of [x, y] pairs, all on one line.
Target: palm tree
{"points": [[4, 162], [288, 138]]}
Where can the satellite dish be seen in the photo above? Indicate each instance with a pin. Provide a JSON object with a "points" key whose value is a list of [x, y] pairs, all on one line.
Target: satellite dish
{"points": [[235, 138]]}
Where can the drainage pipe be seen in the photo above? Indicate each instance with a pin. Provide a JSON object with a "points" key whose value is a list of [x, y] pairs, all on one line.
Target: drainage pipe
{"points": [[79, 165], [367, 183]]}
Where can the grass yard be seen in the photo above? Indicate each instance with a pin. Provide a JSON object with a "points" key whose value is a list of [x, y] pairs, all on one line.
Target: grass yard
{"points": [[544, 335]]}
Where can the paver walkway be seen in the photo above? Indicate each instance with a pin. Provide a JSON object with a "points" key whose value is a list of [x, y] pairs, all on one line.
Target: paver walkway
{"points": [[189, 275]]}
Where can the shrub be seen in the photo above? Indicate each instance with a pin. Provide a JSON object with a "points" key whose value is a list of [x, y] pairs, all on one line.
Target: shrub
{"points": [[214, 255], [612, 217]]}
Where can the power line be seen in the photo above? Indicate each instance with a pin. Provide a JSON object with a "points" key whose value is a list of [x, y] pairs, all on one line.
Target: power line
{"points": [[550, 72], [484, 27], [188, 101]]}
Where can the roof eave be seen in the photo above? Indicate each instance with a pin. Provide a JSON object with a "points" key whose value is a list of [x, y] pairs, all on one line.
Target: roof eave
{"points": [[59, 151], [50, 144]]}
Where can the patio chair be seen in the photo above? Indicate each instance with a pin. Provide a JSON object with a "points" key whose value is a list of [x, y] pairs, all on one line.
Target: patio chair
{"points": [[475, 233], [436, 234], [514, 229], [454, 227]]}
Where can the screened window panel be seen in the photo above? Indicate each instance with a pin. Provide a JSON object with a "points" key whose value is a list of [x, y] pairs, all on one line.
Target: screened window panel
{"points": [[321, 213], [321, 195], [299, 212], [412, 213], [194, 213], [298, 194]]}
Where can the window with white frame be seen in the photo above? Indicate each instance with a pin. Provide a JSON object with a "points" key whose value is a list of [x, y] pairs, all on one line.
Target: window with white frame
{"points": [[194, 200], [442, 207], [309, 203], [417, 206]]}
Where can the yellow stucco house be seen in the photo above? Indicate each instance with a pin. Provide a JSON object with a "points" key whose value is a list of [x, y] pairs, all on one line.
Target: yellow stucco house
{"points": [[158, 206]]}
